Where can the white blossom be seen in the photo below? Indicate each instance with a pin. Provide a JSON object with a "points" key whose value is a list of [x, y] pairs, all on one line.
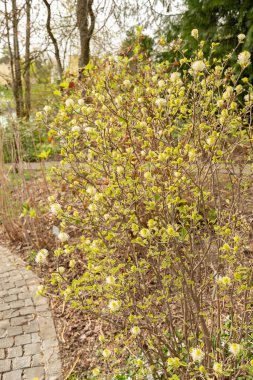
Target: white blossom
{"points": [[127, 83], [197, 354], [106, 353], [135, 330], [161, 83], [217, 367], [198, 66], [120, 169], [235, 348], [220, 103], [80, 102], [76, 128], [114, 305], [160, 102], [174, 77], [195, 33], [239, 89], [41, 256], [88, 129], [224, 281], [69, 102], [63, 237], [244, 58], [55, 208], [248, 98], [145, 233], [241, 37], [91, 190], [110, 280], [40, 290], [47, 109], [92, 207]]}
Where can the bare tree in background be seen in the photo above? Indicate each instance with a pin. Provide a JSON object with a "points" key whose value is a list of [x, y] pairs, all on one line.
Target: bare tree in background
{"points": [[17, 79], [27, 69], [85, 23], [53, 39]]}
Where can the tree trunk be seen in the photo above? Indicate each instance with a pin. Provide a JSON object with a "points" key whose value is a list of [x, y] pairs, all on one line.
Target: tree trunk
{"points": [[53, 39], [9, 45], [27, 75], [17, 85], [85, 23]]}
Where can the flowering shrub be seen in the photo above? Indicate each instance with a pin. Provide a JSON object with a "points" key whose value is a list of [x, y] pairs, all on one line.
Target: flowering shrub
{"points": [[155, 168]]}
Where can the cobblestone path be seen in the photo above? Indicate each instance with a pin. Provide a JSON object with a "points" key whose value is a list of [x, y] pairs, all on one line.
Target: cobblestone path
{"points": [[28, 344]]}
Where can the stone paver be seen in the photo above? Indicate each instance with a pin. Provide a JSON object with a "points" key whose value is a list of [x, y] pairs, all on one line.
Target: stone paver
{"points": [[28, 343]]}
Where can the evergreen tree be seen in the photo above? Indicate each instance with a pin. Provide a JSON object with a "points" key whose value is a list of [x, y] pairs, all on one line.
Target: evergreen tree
{"points": [[217, 20]]}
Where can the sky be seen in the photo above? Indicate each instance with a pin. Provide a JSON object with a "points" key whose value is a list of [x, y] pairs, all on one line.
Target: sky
{"points": [[108, 34]]}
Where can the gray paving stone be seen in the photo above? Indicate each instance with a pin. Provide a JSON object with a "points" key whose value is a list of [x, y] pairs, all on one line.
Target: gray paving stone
{"points": [[35, 338], [21, 362], [31, 327], [17, 304], [18, 290], [23, 339], [14, 352], [5, 365], [6, 342], [12, 297], [13, 331], [13, 375], [36, 372], [28, 342], [4, 306], [10, 313], [4, 324], [32, 348], [37, 360], [28, 302], [2, 333], [27, 310], [18, 321], [2, 353]]}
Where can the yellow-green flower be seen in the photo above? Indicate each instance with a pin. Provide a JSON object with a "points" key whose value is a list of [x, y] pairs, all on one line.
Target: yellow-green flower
{"points": [[114, 305], [197, 354], [217, 367], [106, 353], [235, 348], [95, 371]]}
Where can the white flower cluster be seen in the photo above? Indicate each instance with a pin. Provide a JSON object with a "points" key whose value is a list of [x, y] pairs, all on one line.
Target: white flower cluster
{"points": [[63, 237], [244, 59], [69, 102], [224, 281], [174, 77], [241, 37], [47, 109], [195, 33], [55, 208], [76, 128], [197, 355], [235, 348], [114, 305], [161, 102], [41, 256], [198, 66]]}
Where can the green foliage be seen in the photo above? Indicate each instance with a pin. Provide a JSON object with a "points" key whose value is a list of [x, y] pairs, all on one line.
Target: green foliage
{"points": [[217, 20], [133, 38], [41, 71], [151, 242]]}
